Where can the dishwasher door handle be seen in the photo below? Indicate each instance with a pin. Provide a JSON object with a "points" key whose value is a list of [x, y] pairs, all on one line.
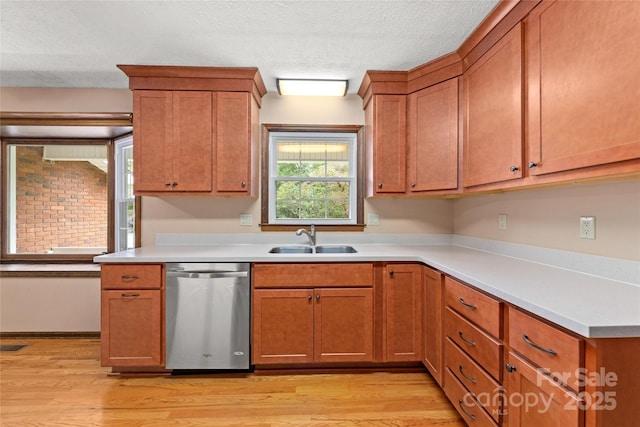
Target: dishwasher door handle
{"points": [[207, 274]]}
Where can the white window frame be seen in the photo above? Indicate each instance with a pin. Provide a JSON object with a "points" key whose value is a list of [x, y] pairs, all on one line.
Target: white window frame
{"points": [[120, 197], [284, 136]]}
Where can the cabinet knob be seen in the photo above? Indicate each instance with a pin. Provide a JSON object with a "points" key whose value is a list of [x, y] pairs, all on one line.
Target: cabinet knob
{"points": [[167, 184], [309, 298], [514, 168], [174, 184], [380, 185], [413, 184], [510, 368], [243, 184], [532, 165], [391, 273], [317, 297]]}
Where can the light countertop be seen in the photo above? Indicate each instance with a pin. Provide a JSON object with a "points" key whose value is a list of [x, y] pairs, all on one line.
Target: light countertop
{"points": [[590, 305]]}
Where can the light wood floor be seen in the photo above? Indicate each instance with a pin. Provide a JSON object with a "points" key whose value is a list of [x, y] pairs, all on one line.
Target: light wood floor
{"points": [[59, 382]]}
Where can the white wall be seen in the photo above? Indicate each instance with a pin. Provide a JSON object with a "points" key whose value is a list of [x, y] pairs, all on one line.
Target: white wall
{"points": [[547, 218], [34, 304]]}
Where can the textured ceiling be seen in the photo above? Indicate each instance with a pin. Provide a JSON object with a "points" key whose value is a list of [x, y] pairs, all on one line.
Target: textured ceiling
{"points": [[79, 43]]}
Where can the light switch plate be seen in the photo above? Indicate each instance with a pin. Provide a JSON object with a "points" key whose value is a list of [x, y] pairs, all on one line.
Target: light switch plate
{"points": [[374, 219], [502, 221]]}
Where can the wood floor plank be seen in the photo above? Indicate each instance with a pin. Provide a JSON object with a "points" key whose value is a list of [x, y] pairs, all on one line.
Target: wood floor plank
{"points": [[59, 382]]}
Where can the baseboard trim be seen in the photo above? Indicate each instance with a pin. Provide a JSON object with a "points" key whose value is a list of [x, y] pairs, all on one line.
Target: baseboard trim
{"points": [[4, 335]]}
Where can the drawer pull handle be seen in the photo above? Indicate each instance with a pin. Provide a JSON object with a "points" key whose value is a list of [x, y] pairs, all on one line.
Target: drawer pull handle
{"points": [[129, 295], [536, 346], [466, 304], [473, 417], [511, 368], [473, 380], [130, 277], [473, 343]]}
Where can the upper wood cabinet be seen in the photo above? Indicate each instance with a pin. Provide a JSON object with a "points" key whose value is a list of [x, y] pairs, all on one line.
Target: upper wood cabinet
{"points": [[172, 141], [432, 157], [493, 113], [386, 141], [195, 129], [583, 67], [237, 140]]}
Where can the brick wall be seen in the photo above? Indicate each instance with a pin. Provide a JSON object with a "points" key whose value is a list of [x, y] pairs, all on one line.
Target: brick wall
{"points": [[59, 204]]}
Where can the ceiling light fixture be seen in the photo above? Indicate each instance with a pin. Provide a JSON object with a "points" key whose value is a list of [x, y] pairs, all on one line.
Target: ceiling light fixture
{"points": [[306, 87]]}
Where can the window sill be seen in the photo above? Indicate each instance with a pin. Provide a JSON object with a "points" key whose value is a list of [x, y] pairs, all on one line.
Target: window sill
{"points": [[294, 227], [49, 270]]}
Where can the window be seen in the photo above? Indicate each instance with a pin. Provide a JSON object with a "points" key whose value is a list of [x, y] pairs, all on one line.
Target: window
{"points": [[313, 175], [63, 195]]}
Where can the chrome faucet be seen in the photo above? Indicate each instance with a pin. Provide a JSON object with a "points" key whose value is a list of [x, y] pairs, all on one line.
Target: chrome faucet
{"points": [[310, 234]]}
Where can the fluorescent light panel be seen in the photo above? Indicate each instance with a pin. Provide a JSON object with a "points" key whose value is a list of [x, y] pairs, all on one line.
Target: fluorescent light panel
{"points": [[302, 87]]}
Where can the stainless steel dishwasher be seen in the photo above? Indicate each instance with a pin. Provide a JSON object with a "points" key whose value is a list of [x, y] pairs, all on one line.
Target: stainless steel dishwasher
{"points": [[208, 316]]}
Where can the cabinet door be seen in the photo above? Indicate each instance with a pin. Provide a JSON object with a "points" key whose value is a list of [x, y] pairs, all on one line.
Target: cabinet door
{"points": [[402, 287], [493, 113], [131, 330], [433, 138], [535, 400], [343, 329], [233, 142], [388, 155], [152, 136], [432, 323], [192, 149], [282, 326], [584, 98]]}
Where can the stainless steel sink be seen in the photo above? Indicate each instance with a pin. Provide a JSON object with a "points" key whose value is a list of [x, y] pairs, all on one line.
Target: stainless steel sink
{"points": [[291, 250], [324, 249], [335, 249]]}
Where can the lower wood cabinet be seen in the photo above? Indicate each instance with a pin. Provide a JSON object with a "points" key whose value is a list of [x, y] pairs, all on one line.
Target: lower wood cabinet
{"points": [[403, 320], [537, 400], [432, 322], [298, 321], [131, 330], [132, 301], [312, 325]]}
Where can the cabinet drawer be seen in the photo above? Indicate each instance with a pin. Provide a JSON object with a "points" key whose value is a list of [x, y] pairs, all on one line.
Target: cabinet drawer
{"points": [[131, 276], [465, 404], [481, 309], [312, 275], [475, 379], [546, 346], [482, 348]]}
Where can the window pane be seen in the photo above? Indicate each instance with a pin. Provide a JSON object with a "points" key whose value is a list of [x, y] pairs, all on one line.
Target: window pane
{"points": [[313, 190], [287, 209], [126, 231], [59, 197], [312, 209], [338, 208], [127, 154], [338, 169], [287, 190]]}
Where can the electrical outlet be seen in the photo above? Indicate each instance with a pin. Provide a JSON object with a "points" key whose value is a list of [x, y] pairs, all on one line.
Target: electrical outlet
{"points": [[587, 227], [374, 219], [246, 219], [502, 221]]}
